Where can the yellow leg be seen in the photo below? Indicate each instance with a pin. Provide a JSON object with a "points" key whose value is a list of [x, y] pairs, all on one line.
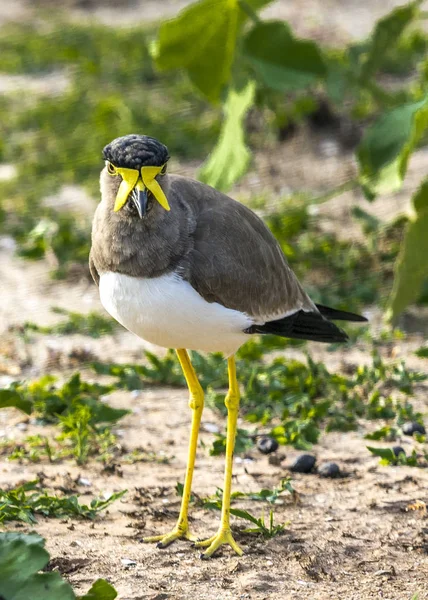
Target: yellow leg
{"points": [[196, 403], [224, 534]]}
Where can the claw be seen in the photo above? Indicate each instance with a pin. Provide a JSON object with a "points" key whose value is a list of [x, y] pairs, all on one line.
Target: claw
{"points": [[165, 540], [223, 536]]}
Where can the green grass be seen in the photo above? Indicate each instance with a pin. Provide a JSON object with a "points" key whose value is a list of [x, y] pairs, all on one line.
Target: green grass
{"points": [[92, 324]]}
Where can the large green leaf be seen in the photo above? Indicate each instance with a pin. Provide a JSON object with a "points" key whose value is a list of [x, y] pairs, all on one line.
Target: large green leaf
{"points": [[412, 264], [101, 590], [202, 40], [21, 556], [283, 62], [229, 159], [386, 146], [12, 398], [385, 34]]}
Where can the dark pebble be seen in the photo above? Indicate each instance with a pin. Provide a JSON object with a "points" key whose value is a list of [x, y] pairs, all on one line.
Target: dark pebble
{"points": [[398, 450], [412, 427], [303, 464], [267, 445], [329, 469]]}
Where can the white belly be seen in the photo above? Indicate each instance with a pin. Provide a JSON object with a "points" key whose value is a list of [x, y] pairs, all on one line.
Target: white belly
{"points": [[167, 311]]}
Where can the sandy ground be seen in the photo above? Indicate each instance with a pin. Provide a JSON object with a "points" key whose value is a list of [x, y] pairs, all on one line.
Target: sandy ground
{"points": [[352, 537]]}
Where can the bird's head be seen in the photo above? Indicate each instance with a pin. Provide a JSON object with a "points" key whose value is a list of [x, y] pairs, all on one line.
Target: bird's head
{"points": [[132, 165]]}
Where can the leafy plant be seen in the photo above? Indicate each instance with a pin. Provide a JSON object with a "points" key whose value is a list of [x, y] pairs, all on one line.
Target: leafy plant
{"points": [[84, 419], [24, 502], [93, 324], [22, 556], [271, 60], [388, 457]]}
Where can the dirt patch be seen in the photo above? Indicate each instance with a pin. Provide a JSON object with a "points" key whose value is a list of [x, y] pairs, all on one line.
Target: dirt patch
{"points": [[351, 537]]}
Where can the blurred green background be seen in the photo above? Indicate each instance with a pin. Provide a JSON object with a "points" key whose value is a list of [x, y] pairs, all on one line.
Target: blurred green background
{"points": [[78, 74]]}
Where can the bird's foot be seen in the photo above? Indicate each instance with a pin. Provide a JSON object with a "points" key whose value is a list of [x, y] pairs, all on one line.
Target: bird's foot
{"points": [[179, 532], [223, 536]]}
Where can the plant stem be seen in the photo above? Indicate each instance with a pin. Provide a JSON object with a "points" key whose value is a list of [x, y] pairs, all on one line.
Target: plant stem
{"points": [[249, 11], [340, 189]]}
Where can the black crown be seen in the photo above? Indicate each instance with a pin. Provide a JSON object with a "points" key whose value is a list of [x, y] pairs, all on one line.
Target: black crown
{"points": [[135, 151]]}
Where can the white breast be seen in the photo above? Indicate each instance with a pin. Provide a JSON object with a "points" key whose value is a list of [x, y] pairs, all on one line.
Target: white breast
{"points": [[169, 312]]}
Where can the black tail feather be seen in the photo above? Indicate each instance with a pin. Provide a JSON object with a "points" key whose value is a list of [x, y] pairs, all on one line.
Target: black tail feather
{"points": [[303, 325], [339, 315]]}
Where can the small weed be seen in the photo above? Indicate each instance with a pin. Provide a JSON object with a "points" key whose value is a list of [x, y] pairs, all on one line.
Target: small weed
{"points": [[84, 419], [267, 531], [93, 324], [422, 352], [24, 502], [388, 457], [264, 495], [243, 442]]}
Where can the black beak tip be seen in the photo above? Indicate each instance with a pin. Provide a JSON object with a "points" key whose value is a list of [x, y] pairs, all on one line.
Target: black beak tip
{"points": [[139, 197]]}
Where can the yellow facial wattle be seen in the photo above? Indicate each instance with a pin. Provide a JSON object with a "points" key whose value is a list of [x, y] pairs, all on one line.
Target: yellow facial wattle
{"points": [[146, 177]]}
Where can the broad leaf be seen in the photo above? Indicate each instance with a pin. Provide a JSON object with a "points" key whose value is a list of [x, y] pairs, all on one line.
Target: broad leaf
{"points": [[202, 40], [12, 398], [21, 556], [386, 146], [101, 590], [385, 34], [229, 159], [412, 265], [384, 453], [283, 62]]}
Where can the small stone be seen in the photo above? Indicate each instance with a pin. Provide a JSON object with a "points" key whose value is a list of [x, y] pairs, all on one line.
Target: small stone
{"points": [[211, 427], [267, 445], [412, 427], [398, 450], [329, 469], [128, 562], [303, 464]]}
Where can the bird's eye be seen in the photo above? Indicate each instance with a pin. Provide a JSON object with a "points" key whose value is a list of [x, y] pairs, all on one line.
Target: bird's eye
{"points": [[111, 169], [163, 170]]}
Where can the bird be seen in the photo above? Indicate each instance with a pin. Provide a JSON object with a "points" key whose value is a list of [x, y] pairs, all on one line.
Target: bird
{"points": [[184, 266]]}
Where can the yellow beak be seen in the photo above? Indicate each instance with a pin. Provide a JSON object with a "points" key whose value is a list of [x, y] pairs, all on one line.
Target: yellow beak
{"points": [[131, 178]]}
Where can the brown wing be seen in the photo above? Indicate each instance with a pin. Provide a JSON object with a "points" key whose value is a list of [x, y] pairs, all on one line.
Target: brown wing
{"points": [[235, 260]]}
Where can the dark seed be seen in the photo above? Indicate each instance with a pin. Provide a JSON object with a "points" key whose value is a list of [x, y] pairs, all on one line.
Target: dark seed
{"points": [[303, 464], [267, 445], [329, 469], [398, 450], [412, 427]]}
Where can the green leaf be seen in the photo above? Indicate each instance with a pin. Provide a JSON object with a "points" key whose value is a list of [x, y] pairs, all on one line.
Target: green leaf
{"points": [[21, 556], [386, 146], [101, 590], [386, 454], [202, 40], [420, 199], [283, 62], [12, 398], [422, 352], [386, 33], [411, 267], [229, 159]]}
